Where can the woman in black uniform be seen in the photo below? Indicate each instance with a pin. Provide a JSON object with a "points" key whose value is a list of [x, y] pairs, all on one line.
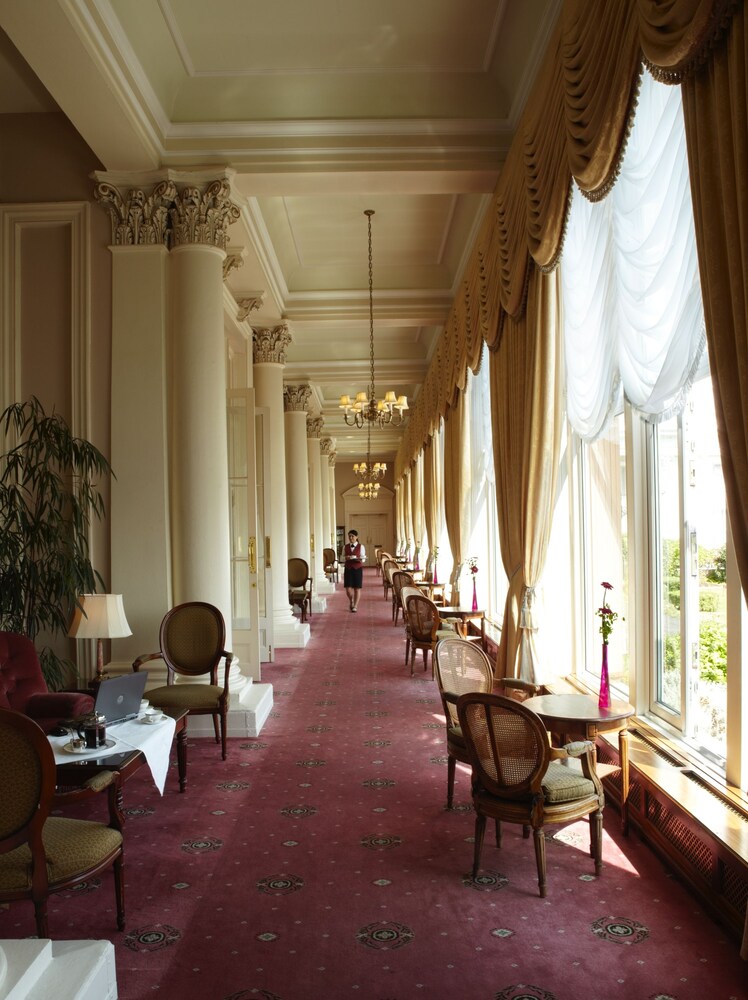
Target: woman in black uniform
{"points": [[353, 574]]}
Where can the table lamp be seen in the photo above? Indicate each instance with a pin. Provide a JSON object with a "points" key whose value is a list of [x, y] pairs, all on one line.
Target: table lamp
{"points": [[99, 616]]}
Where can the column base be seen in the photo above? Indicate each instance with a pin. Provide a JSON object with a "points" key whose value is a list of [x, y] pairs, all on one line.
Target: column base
{"points": [[319, 604], [246, 717], [290, 633], [66, 970], [325, 587]]}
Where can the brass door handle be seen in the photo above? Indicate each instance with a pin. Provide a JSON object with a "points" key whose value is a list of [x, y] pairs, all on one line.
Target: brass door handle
{"points": [[252, 555], [267, 551]]}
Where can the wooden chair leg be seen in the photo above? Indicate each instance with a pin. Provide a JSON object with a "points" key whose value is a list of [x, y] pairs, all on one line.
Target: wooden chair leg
{"points": [[223, 735], [480, 829], [539, 838], [451, 768], [40, 912], [215, 727], [119, 890], [596, 835]]}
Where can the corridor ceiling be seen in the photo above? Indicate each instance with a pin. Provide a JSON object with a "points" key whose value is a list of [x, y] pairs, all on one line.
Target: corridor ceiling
{"points": [[323, 108]]}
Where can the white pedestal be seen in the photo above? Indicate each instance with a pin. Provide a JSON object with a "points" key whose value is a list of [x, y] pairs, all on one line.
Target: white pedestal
{"points": [[246, 716], [37, 969]]}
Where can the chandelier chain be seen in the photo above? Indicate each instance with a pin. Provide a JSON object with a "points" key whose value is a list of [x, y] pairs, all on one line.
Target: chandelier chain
{"points": [[365, 409], [372, 393]]}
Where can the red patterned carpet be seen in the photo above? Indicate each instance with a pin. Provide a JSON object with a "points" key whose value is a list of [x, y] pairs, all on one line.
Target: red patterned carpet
{"points": [[319, 861]]}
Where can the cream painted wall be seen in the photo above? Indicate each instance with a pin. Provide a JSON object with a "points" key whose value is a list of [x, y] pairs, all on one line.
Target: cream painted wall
{"points": [[44, 160]]}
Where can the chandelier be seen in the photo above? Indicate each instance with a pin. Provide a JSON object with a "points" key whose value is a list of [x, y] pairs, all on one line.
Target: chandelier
{"points": [[366, 408], [368, 487]]}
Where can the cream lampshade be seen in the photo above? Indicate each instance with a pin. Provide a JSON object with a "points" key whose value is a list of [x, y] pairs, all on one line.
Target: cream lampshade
{"points": [[99, 616]]}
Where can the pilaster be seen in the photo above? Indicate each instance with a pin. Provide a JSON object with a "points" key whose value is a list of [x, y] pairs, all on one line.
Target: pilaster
{"points": [[314, 425], [269, 346]]}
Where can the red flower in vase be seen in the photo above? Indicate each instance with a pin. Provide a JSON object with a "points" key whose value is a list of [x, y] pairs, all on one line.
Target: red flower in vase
{"points": [[607, 616]]}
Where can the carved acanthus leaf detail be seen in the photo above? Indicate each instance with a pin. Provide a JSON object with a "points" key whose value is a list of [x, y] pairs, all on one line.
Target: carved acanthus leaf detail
{"points": [[314, 426], [138, 219], [248, 303], [203, 216], [296, 397], [269, 344]]}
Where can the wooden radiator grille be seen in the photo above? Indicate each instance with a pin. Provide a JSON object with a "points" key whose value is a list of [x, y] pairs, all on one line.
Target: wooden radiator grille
{"points": [[718, 878]]}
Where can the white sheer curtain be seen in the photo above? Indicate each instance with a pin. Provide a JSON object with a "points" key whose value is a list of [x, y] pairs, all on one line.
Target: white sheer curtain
{"points": [[481, 447], [633, 318], [419, 520]]}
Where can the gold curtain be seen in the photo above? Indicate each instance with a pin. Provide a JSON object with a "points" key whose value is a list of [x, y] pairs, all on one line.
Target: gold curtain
{"points": [[575, 125], [527, 416], [428, 494], [456, 485], [714, 101]]}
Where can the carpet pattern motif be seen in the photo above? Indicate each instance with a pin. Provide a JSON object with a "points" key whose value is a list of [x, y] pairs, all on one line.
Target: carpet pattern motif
{"points": [[319, 861]]}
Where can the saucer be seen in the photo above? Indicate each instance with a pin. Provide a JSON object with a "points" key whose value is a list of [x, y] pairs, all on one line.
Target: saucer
{"points": [[69, 748]]}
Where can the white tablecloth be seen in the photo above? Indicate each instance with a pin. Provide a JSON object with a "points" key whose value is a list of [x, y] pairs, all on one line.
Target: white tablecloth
{"points": [[153, 739]]}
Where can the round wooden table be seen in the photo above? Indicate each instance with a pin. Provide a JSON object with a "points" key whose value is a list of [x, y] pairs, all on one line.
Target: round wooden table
{"points": [[580, 715]]}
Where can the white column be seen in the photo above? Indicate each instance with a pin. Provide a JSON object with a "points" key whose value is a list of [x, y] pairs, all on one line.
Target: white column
{"points": [[313, 428], [333, 499], [269, 355], [139, 516], [199, 451], [295, 399], [328, 529]]}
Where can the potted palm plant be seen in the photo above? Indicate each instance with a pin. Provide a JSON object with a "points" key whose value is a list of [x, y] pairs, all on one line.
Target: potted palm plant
{"points": [[48, 498]]}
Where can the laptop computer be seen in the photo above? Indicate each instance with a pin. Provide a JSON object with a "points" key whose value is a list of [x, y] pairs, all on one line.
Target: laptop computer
{"points": [[118, 698]]}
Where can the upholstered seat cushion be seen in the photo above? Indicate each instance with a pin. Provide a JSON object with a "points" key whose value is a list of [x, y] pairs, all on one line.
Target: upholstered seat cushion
{"points": [[454, 735], [71, 845], [187, 696], [564, 784]]}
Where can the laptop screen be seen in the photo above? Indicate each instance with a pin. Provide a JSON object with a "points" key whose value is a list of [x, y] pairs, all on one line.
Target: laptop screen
{"points": [[118, 698]]}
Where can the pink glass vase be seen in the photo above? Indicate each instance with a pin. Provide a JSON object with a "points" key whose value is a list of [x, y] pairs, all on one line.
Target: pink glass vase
{"points": [[475, 596], [603, 700]]}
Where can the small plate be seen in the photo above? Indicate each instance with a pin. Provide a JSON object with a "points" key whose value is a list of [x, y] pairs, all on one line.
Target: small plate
{"points": [[69, 748]]}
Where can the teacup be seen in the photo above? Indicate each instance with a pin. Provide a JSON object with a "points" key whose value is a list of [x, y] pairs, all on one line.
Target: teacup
{"points": [[77, 744], [144, 705], [153, 715]]}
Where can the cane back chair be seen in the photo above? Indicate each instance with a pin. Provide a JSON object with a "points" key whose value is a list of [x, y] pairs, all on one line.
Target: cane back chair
{"points": [[519, 778]]}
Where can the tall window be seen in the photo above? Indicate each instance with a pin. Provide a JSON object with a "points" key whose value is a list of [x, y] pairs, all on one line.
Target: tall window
{"points": [[648, 498], [604, 535], [490, 580], [690, 525]]}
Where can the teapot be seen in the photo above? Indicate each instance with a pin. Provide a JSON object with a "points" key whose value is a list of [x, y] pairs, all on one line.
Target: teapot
{"points": [[92, 729]]}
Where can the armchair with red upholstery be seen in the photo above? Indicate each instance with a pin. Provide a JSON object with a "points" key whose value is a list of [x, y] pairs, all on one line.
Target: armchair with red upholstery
{"points": [[23, 688]]}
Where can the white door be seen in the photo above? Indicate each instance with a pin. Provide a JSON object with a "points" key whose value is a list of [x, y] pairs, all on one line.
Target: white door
{"points": [[243, 515], [371, 530], [264, 568]]}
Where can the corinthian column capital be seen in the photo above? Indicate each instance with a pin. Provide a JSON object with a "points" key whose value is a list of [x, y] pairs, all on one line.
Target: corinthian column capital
{"points": [[296, 398], [138, 218], [203, 215], [326, 445], [314, 426], [269, 344]]}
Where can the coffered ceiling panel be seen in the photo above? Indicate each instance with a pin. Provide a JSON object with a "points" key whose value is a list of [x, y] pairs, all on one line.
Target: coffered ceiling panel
{"points": [[319, 109]]}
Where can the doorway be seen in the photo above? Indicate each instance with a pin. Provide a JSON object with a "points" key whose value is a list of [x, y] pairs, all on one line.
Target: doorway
{"points": [[372, 530]]}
